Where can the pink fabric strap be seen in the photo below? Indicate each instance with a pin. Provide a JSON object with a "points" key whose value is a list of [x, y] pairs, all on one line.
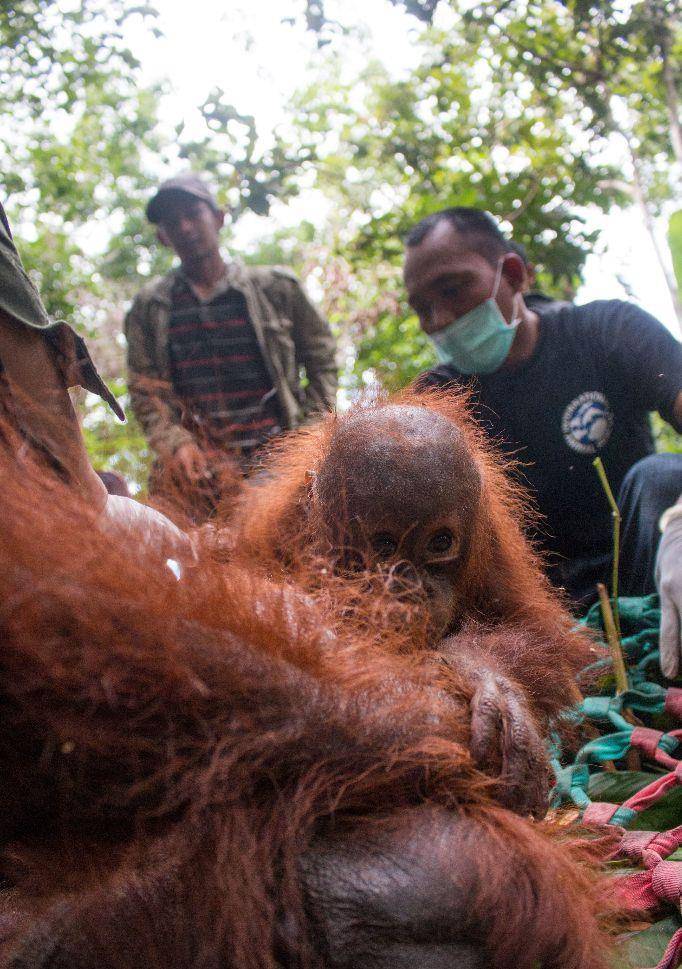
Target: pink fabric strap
{"points": [[647, 740], [599, 812], [672, 957], [666, 881], [634, 843], [654, 792], [662, 845], [636, 892], [673, 702], [647, 889]]}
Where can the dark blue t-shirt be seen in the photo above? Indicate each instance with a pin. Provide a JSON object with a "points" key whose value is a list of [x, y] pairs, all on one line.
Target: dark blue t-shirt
{"points": [[596, 373]]}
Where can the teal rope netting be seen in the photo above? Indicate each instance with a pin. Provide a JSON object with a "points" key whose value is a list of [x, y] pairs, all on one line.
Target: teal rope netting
{"points": [[646, 719]]}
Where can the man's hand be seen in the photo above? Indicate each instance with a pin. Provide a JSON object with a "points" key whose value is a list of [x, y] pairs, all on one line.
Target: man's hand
{"points": [[669, 582], [191, 461]]}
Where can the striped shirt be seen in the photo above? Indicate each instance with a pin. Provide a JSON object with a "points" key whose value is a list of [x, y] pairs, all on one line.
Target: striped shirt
{"points": [[218, 370]]}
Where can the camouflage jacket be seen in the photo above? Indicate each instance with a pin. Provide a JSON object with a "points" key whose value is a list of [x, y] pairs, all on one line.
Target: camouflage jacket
{"points": [[290, 332]]}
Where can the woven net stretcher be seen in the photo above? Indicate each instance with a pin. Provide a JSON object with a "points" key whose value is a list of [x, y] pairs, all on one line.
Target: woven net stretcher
{"points": [[627, 778]]}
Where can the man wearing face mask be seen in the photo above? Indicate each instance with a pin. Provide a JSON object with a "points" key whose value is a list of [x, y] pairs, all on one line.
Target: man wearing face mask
{"points": [[556, 387]]}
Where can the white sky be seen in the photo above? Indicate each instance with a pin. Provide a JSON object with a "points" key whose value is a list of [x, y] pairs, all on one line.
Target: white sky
{"points": [[204, 46]]}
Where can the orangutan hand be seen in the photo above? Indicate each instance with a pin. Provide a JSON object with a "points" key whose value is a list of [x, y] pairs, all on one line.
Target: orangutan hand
{"points": [[191, 462], [505, 742]]}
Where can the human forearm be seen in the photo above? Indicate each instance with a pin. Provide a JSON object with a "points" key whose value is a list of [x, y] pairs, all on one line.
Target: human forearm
{"points": [[669, 583], [42, 404], [321, 389], [316, 349], [677, 413]]}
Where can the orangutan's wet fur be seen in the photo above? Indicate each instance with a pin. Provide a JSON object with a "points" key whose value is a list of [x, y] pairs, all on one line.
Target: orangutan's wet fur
{"points": [[403, 512], [205, 775]]}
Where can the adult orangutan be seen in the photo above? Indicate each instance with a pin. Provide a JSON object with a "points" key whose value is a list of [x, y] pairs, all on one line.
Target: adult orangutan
{"points": [[197, 775], [405, 495]]}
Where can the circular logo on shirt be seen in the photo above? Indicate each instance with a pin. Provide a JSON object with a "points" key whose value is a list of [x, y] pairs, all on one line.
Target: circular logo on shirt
{"points": [[587, 422]]}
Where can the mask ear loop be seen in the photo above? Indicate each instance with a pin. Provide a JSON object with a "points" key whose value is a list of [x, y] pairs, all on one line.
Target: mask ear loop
{"points": [[515, 320], [498, 277]]}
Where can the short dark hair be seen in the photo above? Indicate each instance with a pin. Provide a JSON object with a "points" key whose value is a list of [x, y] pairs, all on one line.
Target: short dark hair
{"points": [[476, 224], [519, 249]]}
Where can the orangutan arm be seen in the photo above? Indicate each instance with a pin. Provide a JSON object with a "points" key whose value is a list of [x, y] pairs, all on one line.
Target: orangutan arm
{"points": [[423, 887], [445, 890]]}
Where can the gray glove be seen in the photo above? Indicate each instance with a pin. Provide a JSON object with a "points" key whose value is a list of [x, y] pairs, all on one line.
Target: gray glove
{"points": [[669, 582]]}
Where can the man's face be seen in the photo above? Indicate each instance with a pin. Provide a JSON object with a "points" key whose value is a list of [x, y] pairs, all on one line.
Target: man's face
{"points": [[190, 227], [445, 278]]}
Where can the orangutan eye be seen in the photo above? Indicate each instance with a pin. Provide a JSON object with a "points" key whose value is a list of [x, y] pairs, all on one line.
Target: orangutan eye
{"points": [[441, 542], [384, 544]]}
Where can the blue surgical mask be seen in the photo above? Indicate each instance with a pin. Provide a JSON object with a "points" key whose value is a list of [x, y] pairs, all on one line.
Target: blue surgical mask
{"points": [[480, 340]]}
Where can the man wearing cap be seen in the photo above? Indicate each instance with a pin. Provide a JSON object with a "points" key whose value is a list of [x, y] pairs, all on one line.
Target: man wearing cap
{"points": [[215, 348]]}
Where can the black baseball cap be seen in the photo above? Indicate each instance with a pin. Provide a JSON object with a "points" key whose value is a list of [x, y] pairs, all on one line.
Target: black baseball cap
{"points": [[186, 184]]}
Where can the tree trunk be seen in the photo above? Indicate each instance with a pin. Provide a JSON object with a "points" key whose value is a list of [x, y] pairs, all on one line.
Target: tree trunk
{"points": [[671, 98], [643, 203]]}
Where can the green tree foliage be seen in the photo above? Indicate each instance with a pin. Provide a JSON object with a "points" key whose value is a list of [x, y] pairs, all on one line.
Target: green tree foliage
{"points": [[455, 133], [514, 106], [78, 130], [82, 150], [316, 19], [530, 109], [615, 68], [249, 173], [675, 243]]}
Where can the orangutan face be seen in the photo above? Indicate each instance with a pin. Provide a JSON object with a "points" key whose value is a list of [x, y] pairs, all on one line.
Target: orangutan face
{"points": [[401, 491]]}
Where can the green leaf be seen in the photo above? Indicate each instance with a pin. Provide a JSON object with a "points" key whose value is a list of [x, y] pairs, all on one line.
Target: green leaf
{"points": [[662, 816], [616, 787], [675, 243], [646, 948]]}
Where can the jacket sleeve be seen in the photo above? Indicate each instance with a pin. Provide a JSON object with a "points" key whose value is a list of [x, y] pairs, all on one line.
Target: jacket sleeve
{"points": [[315, 350], [151, 394]]}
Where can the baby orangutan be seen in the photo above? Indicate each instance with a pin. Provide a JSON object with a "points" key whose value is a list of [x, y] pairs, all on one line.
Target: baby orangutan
{"points": [[405, 498]]}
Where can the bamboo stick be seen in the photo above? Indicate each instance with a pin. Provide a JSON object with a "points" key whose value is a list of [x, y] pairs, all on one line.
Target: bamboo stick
{"points": [[615, 514], [613, 640]]}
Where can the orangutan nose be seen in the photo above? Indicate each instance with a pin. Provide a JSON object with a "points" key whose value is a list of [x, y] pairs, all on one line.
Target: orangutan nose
{"points": [[404, 580]]}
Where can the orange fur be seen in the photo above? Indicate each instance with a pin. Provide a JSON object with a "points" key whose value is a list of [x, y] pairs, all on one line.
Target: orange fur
{"points": [[280, 530], [170, 752]]}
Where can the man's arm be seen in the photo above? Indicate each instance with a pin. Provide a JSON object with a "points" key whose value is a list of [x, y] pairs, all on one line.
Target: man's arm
{"points": [[316, 350], [151, 395], [642, 355], [677, 413]]}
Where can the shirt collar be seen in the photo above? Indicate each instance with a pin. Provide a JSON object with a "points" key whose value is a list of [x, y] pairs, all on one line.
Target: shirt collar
{"points": [[232, 278]]}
